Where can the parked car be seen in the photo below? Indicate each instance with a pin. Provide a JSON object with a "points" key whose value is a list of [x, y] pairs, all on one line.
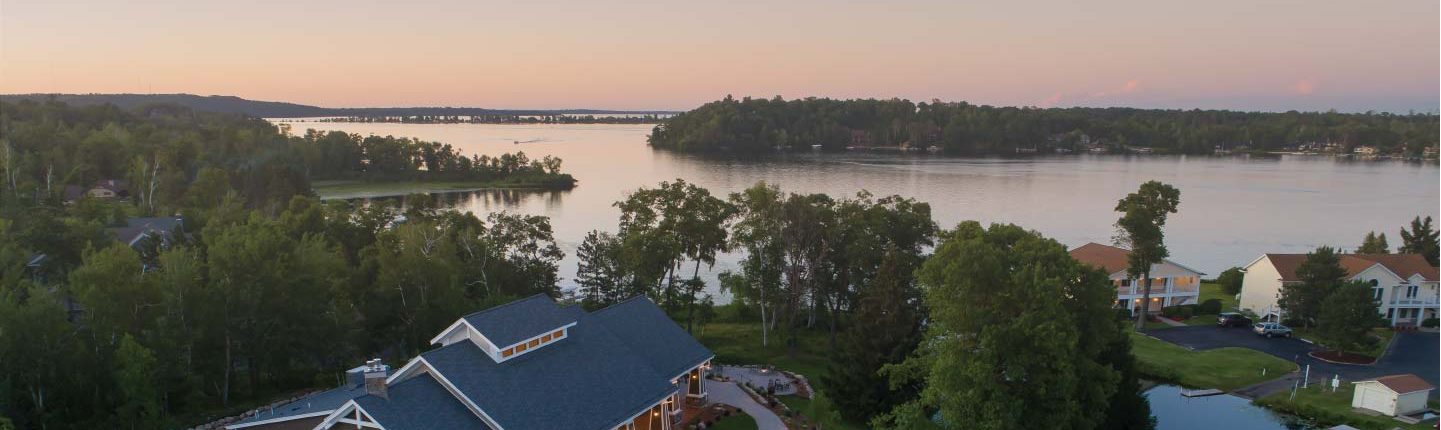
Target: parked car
{"points": [[1272, 330], [1232, 319]]}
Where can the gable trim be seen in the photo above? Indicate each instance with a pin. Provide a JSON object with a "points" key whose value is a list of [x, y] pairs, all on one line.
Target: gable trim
{"points": [[280, 419], [419, 364], [341, 415]]}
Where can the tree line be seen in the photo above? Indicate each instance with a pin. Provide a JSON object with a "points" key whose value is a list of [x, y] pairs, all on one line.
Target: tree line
{"points": [[503, 119], [913, 335], [164, 150], [759, 125]]}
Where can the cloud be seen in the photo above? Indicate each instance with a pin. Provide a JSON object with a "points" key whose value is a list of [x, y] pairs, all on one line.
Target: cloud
{"points": [[1051, 101], [1304, 87], [1130, 86]]}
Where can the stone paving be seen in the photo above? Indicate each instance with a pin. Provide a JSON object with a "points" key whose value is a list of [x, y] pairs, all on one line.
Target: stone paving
{"points": [[760, 378]]}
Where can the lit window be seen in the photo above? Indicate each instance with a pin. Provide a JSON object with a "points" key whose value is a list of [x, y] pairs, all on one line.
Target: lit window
{"points": [[520, 348], [558, 334], [545, 338], [534, 343], [508, 352]]}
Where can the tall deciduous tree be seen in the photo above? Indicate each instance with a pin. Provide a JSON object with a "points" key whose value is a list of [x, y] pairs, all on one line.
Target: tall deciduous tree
{"points": [[1017, 336], [1319, 275], [135, 378], [1374, 244], [1421, 239], [1143, 216], [1347, 316]]}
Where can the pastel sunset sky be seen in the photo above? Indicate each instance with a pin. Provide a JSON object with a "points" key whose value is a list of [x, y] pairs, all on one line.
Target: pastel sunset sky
{"points": [[645, 54]]}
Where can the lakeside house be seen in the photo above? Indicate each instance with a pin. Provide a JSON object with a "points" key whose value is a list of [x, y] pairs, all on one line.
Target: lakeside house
{"points": [[528, 364], [1171, 283], [1403, 285], [102, 189]]}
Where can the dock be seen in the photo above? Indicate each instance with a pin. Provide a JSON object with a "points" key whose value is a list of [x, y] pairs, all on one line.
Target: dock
{"points": [[1201, 393]]}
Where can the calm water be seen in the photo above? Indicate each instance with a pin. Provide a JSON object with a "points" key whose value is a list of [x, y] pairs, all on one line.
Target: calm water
{"points": [[1232, 209], [1176, 412]]}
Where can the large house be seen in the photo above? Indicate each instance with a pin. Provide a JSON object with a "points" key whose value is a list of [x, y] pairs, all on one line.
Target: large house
{"points": [[103, 189], [1404, 285], [1171, 283], [528, 364]]}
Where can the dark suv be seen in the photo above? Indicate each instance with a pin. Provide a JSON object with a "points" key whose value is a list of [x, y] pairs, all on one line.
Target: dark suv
{"points": [[1232, 319]]}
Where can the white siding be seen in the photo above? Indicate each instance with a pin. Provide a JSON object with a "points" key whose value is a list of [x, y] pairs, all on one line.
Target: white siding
{"points": [[1260, 287]]}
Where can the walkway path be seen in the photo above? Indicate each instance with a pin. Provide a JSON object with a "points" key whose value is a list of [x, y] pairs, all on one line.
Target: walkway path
{"points": [[730, 394], [1171, 322]]}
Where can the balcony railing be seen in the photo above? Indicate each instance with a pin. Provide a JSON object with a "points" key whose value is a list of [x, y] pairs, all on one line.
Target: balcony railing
{"points": [[1415, 301]]}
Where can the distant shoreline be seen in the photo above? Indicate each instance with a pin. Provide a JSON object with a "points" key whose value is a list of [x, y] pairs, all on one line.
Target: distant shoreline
{"points": [[357, 189]]}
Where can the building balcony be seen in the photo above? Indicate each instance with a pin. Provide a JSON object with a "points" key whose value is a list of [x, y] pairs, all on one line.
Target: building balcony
{"points": [[1414, 301]]}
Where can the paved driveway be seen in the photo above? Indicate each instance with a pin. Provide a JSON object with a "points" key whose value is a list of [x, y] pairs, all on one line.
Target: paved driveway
{"points": [[1410, 352], [728, 393]]}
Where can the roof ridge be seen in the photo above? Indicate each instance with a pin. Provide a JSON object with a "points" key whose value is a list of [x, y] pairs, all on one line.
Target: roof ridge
{"points": [[487, 310], [617, 304]]}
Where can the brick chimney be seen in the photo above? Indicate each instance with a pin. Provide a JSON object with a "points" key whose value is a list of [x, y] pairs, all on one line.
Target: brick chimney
{"points": [[375, 374]]}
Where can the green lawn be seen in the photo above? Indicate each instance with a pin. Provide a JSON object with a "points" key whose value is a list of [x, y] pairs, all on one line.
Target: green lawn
{"points": [[740, 343], [1326, 408], [1223, 368], [1213, 291], [801, 405], [739, 421]]}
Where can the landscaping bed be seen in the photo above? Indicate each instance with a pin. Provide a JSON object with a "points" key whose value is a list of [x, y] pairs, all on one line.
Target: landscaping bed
{"points": [[1343, 358]]}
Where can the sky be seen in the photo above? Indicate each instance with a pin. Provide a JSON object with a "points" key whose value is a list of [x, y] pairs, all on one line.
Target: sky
{"points": [[675, 55]]}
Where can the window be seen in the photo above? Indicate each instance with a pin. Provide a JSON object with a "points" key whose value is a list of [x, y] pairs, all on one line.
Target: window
{"points": [[1125, 282], [1376, 293], [1375, 282], [1411, 291], [534, 343], [508, 352], [558, 334], [545, 338], [520, 348]]}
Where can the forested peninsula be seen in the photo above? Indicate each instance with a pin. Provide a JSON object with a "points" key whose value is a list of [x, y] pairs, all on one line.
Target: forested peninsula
{"points": [[160, 153], [759, 126]]}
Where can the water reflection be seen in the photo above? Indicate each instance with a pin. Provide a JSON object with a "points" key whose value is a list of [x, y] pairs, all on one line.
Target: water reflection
{"points": [[1176, 412], [1232, 208]]}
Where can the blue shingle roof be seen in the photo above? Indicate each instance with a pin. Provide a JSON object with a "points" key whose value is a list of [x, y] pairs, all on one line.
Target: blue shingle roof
{"points": [[522, 319], [324, 401], [419, 403], [613, 363], [652, 336], [589, 380]]}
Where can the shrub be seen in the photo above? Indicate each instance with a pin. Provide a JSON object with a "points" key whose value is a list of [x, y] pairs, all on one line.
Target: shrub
{"points": [[1429, 323], [1179, 311], [1209, 307], [1230, 280]]}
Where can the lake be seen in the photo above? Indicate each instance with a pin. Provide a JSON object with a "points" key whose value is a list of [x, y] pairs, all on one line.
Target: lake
{"points": [[1232, 210], [1176, 412]]}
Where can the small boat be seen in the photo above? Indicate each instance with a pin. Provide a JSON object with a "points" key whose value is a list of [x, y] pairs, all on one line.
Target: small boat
{"points": [[815, 147]]}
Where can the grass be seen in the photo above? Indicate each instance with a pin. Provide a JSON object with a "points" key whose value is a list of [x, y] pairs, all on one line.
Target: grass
{"points": [[350, 189], [1326, 408], [1223, 368], [739, 421], [1213, 291], [740, 343]]}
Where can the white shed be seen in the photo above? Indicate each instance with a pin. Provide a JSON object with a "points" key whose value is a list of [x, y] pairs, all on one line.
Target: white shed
{"points": [[1392, 395]]}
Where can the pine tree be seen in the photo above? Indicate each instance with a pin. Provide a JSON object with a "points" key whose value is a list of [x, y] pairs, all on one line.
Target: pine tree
{"points": [[1320, 274], [1422, 239], [1374, 244], [885, 330]]}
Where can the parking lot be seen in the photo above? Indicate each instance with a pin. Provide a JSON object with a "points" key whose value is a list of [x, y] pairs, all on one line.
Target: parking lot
{"points": [[1410, 352]]}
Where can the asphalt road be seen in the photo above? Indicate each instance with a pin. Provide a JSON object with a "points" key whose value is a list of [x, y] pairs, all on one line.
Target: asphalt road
{"points": [[1410, 352]]}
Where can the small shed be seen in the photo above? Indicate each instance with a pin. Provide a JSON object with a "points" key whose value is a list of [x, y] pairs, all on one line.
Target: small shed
{"points": [[1392, 395]]}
